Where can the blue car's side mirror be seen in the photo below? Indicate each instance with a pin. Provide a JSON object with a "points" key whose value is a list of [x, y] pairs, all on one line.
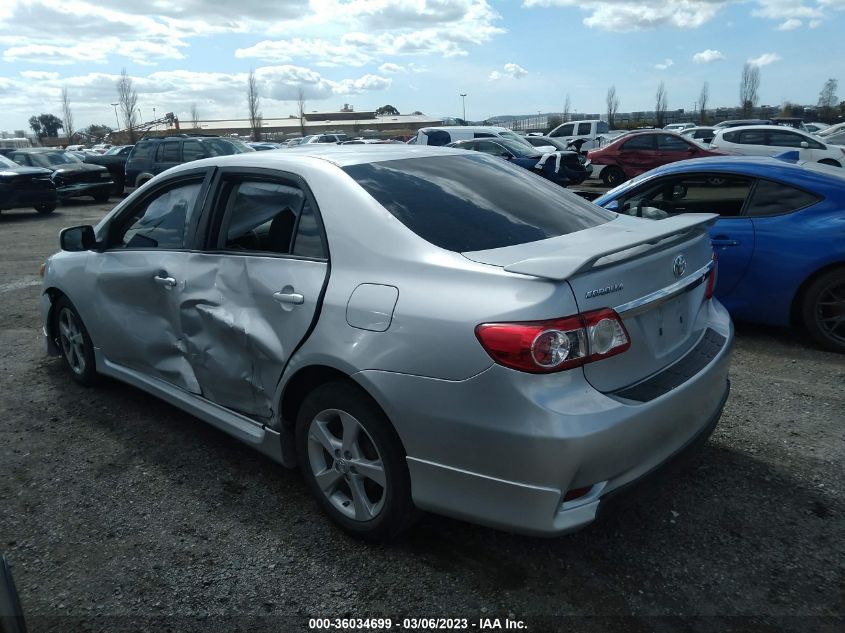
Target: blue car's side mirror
{"points": [[613, 205]]}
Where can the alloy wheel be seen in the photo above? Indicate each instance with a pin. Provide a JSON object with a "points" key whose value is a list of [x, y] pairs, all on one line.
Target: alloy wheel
{"points": [[830, 311], [72, 341], [346, 465]]}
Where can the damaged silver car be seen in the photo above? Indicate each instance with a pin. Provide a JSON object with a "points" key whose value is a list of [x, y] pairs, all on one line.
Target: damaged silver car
{"points": [[414, 327]]}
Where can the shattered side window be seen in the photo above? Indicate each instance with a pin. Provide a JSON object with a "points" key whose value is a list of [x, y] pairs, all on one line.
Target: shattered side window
{"points": [[262, 217], [161, 222]]}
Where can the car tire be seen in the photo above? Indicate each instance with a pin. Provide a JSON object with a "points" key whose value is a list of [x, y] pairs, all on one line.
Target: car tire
{"points": [[74, 343], [831, 162], [612, 176], [101, 198], [47, 207], [353, 462], [823, 310]]}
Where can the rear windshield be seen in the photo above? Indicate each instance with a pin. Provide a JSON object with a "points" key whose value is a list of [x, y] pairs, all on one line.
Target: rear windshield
{"points": [[474, 202]]}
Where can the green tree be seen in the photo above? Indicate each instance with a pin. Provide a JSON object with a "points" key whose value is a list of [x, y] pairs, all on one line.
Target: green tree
{"points": [[45, 125], [387, 110], [97, 132], [828, 99], [35, 124], [553, 121]]}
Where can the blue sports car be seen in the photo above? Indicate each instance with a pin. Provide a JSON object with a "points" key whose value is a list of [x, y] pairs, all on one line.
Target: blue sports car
{"points": [[562, 167], [780, 242]]}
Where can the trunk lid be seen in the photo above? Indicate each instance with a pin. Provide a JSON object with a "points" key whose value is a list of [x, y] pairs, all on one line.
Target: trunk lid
{"points": [[651, 272]]}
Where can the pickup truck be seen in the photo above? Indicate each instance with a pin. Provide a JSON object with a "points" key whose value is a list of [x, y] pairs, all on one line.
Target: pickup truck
{"points": [[115, 161], [592, 134]]}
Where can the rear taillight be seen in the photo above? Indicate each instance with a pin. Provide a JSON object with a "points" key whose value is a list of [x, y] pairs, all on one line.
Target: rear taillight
{"points": [[542, 347], [711, 279]]}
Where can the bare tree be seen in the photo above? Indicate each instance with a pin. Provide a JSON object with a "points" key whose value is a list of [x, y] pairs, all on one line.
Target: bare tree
{"points": [[748, 87], [127, 97], [703, 98], [300, 102], [661, 99], [567, 106], [67, 115], [612, 101], [195, 115], [253, 103], [827, 99]]}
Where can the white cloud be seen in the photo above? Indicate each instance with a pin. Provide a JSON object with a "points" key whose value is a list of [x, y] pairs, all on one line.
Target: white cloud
{"points": [[814, 24], [40, 75], [666, 63], [511, 71], [626, 15], [708, 56], [391, 68], [790, 24], [764, 60]]}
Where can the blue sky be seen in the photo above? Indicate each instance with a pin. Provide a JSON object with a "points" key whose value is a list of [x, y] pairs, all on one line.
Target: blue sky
{"points": [[509, 56]]}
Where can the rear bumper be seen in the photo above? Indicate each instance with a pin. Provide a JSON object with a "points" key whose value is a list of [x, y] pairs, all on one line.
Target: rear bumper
{"points": [[503, 448]]}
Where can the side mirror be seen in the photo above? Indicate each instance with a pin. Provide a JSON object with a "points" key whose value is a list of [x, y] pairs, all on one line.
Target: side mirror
{"points": [[691, 149], [804, 145], [613, 205], [77, 238], [505, 155]]}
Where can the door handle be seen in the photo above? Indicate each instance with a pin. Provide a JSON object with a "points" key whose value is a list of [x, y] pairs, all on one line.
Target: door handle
{"points": [[293, 298], [167, 282], [723, 240]]}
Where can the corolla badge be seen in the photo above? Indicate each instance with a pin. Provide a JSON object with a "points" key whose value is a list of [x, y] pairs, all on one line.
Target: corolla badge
{"points": [[604, 291], [679, 266]]}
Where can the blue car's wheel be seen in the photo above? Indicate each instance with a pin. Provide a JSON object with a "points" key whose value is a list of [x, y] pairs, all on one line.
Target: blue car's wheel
{"points": [[824, 310]]}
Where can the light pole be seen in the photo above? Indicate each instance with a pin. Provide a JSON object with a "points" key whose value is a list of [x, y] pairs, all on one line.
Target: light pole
{"points": [[116, 120], [464, 104], [140, 115]]}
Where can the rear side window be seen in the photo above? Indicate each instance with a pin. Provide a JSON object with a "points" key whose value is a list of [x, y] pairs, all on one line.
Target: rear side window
{"points": [[751, 137], [774, 198], [669, 143], [192, 150], [473, 202], [641, 141], [270, 217], [584, 128], [601, 128]]}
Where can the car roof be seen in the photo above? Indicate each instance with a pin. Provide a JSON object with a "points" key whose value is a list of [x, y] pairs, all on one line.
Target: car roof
{"points": [[339, 155], [762, 166], [466, 128], [740, 128], [38, 150]]}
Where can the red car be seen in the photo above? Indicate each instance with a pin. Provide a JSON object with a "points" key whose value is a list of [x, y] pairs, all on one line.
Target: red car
{"points": [[638, 152]]}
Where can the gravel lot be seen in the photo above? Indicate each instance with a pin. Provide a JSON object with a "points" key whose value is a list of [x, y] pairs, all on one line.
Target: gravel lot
{"points": [[118, 512]]}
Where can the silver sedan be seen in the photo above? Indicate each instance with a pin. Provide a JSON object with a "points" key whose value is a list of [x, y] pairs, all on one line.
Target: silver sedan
{"points": [[414, 327]]}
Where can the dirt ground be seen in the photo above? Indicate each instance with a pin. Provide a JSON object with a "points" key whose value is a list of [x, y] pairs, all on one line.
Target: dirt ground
{"points": [[119, 512]]}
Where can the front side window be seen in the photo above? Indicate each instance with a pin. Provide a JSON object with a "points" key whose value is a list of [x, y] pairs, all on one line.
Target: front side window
{"points": [[160, 221], [471, 202], [775, 198], [780, 138], [270, 217], [565, 130], [488, 147], [168, 152], [438, 137], [697, 193]]}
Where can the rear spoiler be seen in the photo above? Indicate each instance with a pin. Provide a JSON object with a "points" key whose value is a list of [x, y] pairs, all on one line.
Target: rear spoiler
{"points": [[564, 266]]}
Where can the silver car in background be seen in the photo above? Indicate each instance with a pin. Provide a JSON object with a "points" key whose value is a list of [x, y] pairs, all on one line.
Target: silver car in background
{"points": [[416, 328]]}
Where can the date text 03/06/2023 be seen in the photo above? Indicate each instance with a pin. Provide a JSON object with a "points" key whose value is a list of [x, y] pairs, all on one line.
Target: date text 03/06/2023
{"points": [[415, 624]]}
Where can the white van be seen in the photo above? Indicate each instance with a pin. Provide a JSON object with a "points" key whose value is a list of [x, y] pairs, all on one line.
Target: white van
{"points": [[594, 133], [450, 133]]}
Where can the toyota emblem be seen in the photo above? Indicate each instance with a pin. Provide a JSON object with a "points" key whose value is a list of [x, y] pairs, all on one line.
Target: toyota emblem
{"points": [[679, 266]]}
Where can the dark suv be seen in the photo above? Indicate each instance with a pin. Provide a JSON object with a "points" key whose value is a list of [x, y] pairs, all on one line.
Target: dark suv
{"points": [[151, 156]]}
